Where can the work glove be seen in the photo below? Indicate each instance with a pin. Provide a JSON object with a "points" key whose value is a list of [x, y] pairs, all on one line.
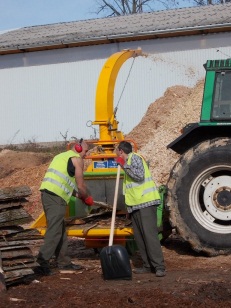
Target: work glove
{"points": [[120, 161], [89, 201]]}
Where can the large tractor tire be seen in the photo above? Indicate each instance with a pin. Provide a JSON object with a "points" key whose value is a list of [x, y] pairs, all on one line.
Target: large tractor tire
{"points": [[199, 197]]}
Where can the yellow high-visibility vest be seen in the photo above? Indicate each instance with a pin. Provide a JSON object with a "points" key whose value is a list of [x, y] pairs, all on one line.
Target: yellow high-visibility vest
{"points": [[139, 192], [57, 179]]}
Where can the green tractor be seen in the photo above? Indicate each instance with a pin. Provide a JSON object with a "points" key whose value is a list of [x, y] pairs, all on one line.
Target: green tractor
{"points": [[199, 185]]}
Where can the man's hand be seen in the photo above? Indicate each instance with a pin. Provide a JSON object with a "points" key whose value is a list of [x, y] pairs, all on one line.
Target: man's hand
{"points": [[120, 161], [89, 201]]}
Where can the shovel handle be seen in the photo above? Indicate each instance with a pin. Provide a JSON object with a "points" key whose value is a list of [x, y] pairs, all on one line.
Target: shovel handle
{"points": [[114, 207]]}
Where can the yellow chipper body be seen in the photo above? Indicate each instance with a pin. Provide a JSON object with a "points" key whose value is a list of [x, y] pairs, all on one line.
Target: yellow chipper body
{"points": [[101, 168]]}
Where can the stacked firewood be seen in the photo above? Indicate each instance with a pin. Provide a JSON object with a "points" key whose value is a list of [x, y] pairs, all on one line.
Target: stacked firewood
{"points": [[16, 243]]}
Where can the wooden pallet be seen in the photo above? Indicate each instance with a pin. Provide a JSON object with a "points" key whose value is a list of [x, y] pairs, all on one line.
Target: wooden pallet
{"points": [[16, 257]]}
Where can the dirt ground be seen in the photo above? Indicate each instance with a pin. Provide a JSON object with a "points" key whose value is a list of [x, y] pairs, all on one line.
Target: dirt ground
{"points": [[192, 279]]}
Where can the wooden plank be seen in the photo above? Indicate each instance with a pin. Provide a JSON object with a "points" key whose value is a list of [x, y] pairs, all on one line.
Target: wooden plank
{"points": [[17, 274], [14, 192], [2, 277], [14, 216], [24, 234], [21, 243], [19, 267], [18, 264], [7, 231], [15, 251], [17, 259], [12, 203], [2, 283], [18, 222], [22, 261]]}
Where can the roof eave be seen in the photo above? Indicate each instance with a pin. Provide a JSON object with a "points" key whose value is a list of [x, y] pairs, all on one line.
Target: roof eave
{"points": [[126, 37]]}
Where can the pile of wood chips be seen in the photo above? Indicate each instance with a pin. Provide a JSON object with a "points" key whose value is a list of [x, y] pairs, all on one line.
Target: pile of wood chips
{"points": [[162, 123]]}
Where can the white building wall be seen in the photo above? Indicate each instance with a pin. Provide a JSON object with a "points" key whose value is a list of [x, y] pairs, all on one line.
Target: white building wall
{"points": [[47, 94]]}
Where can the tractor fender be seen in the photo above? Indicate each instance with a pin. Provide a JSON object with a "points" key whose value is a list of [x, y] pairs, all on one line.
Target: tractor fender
{"points": [[195, 133]]}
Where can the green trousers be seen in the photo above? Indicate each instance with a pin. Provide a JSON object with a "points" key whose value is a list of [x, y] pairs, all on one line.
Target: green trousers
{"points": [[144, 223], [55, 241]]}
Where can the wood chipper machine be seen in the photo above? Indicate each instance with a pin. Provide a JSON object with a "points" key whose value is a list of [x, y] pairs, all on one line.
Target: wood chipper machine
{"points": [[101, 170]]}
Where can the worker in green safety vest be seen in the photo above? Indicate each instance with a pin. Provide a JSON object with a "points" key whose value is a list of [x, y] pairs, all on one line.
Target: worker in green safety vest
{"points": [[63, 179], [141, 199]]}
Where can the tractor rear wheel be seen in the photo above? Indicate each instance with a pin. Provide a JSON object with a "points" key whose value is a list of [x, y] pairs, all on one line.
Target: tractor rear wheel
{"points": [[199, 197]]}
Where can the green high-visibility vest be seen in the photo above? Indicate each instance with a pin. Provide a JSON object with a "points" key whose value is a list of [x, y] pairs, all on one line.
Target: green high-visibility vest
{"points": [[139, 192], [57, 179]]}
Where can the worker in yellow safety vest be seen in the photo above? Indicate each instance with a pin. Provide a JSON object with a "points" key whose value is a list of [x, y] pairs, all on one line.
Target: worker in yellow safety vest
{"points": [[141, 199], [63, 179]]}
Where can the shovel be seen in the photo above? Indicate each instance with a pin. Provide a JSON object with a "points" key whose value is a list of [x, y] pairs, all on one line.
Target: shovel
{"points": [[114, 259]]}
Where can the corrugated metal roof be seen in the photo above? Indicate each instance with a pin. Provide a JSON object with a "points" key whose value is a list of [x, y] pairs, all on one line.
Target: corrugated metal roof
{"points": [[174, 22]]}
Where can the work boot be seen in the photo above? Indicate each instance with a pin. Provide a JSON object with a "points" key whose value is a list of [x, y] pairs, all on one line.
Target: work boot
{"points": [[160, 273], [43, 267], [43, 271], [71, 266], [142, 270]]}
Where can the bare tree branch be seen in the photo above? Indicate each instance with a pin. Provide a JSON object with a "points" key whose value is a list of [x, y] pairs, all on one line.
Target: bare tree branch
{"points": [[127, 7]]}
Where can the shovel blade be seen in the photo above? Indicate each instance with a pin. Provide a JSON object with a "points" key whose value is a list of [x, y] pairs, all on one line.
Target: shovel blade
{"points": [[115, 263]]}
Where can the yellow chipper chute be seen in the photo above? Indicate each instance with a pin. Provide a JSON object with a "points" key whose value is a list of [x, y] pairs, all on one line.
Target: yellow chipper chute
{"points": [[101, 168]]}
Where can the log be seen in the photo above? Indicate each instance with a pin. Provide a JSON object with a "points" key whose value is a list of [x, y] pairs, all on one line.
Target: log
{"points": [[14, 192]]}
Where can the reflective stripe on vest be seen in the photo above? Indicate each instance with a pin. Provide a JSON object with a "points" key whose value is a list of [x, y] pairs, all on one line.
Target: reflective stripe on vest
{"points": [[134, 184], [145, 191], [63, 176], [68, 192]]}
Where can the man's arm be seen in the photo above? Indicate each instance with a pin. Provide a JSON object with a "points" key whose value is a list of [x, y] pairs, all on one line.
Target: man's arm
{"points": [[136, 169], [81, 185]]}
